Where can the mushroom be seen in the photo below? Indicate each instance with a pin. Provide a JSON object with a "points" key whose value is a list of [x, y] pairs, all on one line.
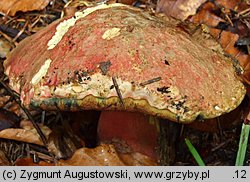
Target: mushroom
{"points": [[117, 57]]}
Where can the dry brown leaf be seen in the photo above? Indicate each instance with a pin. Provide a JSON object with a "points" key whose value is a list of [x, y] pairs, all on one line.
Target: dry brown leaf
{"points": [[232, 4], [27, 134], [3, 160], [204, 16], [10, 7], [5, 48], [180, 9], [3, 100], [137, 159], [14, 107], [227, 40], [8, 119], [105, 155]]}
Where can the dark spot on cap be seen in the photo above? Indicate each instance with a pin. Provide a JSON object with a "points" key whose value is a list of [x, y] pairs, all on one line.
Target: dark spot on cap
{"points": [[84, 73], [186, 109], [166, 62], [178, 118], [163, 90], [179, 105], [79, 79], [200, 118], [104, 67], [130, 28]]}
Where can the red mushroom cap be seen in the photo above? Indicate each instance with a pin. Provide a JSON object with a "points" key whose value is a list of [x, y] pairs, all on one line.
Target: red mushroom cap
{"points": [[116, 57]]}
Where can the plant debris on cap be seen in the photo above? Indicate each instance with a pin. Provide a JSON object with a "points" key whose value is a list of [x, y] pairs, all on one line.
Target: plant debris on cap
{"points": [[116, 57]]}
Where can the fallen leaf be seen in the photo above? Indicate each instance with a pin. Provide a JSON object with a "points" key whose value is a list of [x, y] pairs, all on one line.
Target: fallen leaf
{"points": [[232, 4], [180, 9], [26, 134], [105, 155], [227, 40], [5, 48], [3, 100], [137, 159], [204, 16], [10, 7], [3, 160], [8, 119]]}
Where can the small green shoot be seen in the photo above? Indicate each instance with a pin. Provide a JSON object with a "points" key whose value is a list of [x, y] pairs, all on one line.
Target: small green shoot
{"points": [[242, 145], [194, 152]]}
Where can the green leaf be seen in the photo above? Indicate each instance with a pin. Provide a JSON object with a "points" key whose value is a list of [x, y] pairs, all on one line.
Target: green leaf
{"points": [[242, 145], [194, 152]]}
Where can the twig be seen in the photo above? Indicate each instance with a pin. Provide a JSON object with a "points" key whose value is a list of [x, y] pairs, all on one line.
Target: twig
{"points": [[244, 12], [20, 32], [9, 39], [118, 91], [229, 20], [12, 32], [150, 81], [43, 156], [16, 98], [220, 145]]}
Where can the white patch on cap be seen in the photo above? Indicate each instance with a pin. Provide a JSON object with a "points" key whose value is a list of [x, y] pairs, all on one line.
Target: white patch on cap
{"points": [[42, 72], [111, 33], [77, 88], [217, 108], [64, 26]]}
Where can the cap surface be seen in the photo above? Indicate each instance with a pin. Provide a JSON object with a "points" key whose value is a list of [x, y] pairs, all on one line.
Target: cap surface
{"points": [[116, 57]]}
